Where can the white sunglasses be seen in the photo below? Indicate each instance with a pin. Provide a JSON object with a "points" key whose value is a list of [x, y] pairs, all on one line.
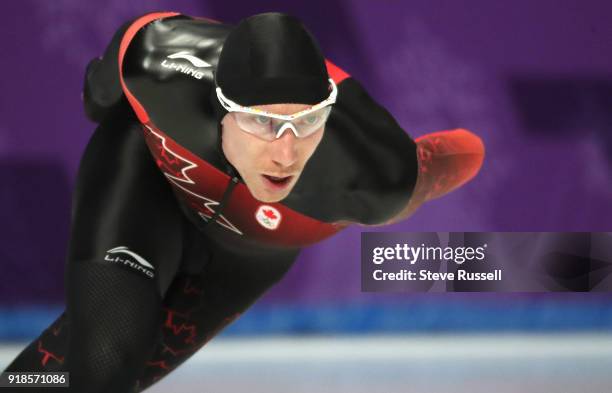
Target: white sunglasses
{"points": [[270, 126]]}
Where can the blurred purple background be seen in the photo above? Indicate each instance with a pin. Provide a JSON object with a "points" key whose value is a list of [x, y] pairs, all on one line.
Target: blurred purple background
{"points": [[533, 79]]}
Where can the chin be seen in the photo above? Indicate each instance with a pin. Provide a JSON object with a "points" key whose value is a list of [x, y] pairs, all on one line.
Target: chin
{"points": [[269, 198]]}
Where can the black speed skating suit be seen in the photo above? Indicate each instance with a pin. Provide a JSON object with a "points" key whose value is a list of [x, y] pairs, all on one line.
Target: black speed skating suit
{"points": [[167, 244]]}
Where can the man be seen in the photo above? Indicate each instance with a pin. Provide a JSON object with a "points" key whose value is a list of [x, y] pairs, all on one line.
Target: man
{"points": [[260, 147]]}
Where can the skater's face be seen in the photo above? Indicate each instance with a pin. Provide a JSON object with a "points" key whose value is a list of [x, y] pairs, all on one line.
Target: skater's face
{"points": [[270, 169]]}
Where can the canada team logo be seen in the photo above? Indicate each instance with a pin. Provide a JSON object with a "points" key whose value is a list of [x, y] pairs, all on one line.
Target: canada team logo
{"points": [[268, 217]]}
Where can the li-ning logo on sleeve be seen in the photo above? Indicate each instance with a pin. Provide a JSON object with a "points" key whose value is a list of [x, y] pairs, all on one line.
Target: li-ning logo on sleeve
{"points": [[124, 256], [185, 69]]}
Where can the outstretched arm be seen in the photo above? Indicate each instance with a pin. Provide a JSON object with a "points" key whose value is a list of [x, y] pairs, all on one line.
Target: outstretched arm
{"points": [[447, 160]]}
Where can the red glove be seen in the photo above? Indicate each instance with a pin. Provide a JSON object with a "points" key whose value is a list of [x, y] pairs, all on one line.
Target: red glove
{"points": [[447, 160]]}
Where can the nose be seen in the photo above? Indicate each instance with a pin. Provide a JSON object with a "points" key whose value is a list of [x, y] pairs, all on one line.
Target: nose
{"points": [[283, 151]]}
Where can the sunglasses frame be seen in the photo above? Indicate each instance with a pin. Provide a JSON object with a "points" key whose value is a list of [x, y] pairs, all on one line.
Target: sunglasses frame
{"points": [[232, 106]]}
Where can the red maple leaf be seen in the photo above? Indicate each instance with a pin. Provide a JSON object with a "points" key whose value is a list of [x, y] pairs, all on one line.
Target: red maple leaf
{"points": [[270, 214]]}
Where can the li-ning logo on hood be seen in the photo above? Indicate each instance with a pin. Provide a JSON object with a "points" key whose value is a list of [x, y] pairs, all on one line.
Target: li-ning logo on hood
{"points": [[185, 69], [133, 260]]}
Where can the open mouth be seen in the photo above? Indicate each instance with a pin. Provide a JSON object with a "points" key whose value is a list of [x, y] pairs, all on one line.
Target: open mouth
{"points": [[278, 182]]}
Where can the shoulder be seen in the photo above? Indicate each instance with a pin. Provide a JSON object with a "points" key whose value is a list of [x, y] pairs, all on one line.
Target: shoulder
{"points": [[164, 50], [166, 72], [163, 34], [170, 28], [135, 50]]}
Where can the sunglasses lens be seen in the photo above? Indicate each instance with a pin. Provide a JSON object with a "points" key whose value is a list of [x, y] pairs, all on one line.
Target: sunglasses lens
{"points": [[311, 122], [258, 125], [267, 127]]}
